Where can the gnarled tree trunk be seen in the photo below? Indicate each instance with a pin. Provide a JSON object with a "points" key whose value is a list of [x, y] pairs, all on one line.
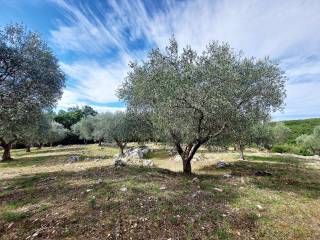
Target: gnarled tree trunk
{"points": [[40, 145], [99, 142], [187, 154], [6, 156], [191, 148], [187, 166]]}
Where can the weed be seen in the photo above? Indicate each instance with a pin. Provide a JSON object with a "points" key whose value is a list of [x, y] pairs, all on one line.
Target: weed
{"points": [[92, 201], [11, 216]]}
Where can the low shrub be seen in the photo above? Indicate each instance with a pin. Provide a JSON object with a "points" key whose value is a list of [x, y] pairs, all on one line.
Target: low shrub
{"points": [[287, 148]]}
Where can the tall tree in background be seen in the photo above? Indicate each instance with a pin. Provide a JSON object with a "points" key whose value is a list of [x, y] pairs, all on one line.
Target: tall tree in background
{"points": [[193, 99], [73, 115], [30, 81]]}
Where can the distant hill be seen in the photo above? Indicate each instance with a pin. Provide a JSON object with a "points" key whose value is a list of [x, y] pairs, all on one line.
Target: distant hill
{"points": [[299, 127]]}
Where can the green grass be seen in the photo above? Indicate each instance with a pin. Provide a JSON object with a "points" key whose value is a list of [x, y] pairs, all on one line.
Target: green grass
{"points": [[11, 216], [85, 207], [222, 234]]}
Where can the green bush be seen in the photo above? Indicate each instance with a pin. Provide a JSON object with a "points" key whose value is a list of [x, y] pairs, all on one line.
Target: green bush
{"points": [[280, 149], [287, 148]]}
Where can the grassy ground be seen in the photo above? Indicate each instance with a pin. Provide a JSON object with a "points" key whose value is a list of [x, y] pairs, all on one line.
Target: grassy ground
{"points": [[42, 196]]}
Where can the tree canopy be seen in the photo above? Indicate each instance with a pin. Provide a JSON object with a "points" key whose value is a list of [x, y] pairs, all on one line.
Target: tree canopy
{"points": [[73, 115], [31, 81], [311, 141], [194, 98], [281, 132]]}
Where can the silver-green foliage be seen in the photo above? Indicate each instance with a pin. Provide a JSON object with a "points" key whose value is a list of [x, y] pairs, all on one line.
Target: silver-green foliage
{"points": [[30, 81], [93, 127], [312, 141], [280, 133], [194, 98], [56, 132]]}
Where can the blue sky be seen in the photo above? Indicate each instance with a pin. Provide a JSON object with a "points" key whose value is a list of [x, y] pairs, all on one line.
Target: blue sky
{"points": [[95, 40]]}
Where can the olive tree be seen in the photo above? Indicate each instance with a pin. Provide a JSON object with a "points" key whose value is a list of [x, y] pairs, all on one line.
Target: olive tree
{"points": [[84, 128], [311, 141], [194, 98], [35, 133], [281, 132], [93, 127], [263, 135], [128, 127], [252, 132], [101, 127], [30, 81], [55, 133]]}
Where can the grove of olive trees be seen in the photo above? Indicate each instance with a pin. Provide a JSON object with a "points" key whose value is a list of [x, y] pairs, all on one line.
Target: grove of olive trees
{"points": [[119, 127]]}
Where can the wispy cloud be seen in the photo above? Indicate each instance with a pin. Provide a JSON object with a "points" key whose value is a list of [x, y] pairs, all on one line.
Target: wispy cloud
{"points": [[286, 30], [94, 81]]}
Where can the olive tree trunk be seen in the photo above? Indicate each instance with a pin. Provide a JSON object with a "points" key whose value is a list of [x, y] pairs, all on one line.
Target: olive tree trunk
{"points": [[187, 166], [121, 146], [188, 152], [6, 156], [187, 155], [241, 149], [28, 149]]}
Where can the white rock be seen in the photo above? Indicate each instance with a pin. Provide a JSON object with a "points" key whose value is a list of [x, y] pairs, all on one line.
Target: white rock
{"points": [[74, 158], [259, 207], [120, 162], [227, 176], [147, 163], [222, 164], [145, 150], [218, 189], [195, 180]]}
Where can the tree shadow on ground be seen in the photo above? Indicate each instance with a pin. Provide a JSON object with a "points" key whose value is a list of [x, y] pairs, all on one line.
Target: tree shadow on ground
{"points": [[57, 149], [34, 161], [289, 175], [53, 160], [173, 204]]}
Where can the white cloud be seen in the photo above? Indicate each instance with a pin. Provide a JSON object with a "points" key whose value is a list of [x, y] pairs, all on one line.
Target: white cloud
{"points": [[286, 30], [304, 68], [302, 101], [71, 98], [94, 81]]}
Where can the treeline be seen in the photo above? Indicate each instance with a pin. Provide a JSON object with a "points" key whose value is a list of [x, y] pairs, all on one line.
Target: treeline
{"points": [[68, 118], [303, 137], [299, 127]]}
